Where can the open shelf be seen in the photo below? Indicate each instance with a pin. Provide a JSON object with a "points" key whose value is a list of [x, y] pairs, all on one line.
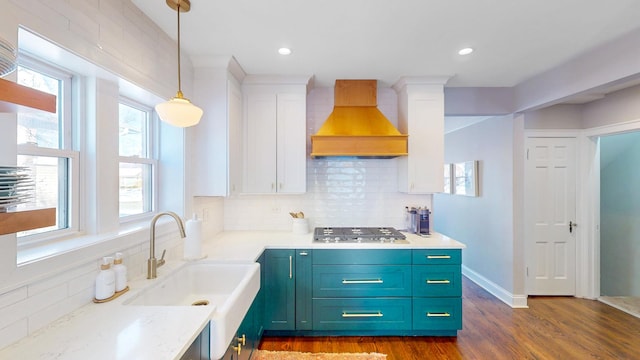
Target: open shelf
{"points": [[18, 98], [13, 222]]}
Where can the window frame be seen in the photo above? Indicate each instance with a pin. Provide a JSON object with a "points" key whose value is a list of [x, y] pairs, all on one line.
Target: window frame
{"points": [[151, 159], [66, 150]]}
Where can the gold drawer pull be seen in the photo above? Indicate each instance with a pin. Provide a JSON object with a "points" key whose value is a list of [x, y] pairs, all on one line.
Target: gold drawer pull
{"points": [[438, 281], [361, 315], [442, 314], [438, 256], [374, 281]]}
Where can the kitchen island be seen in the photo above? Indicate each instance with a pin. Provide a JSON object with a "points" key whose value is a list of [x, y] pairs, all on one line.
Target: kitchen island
{"points": [[117, 331]]}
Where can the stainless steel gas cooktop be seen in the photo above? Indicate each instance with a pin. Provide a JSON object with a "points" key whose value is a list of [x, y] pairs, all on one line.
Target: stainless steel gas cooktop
{"points": [[358, 235]]}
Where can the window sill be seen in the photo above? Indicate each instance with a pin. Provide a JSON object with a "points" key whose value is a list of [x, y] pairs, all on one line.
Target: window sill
{"points": [[74, 241]]}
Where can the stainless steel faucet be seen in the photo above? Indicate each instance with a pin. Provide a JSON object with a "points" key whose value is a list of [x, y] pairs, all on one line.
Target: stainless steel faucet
{"points": [[152, 263]]}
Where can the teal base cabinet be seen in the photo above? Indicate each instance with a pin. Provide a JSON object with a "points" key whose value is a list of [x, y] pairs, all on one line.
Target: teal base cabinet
{"points": [[437, 290], [287, 290], [374, 292]]}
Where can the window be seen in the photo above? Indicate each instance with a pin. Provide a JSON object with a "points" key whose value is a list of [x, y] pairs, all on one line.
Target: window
{"points": [[45, 147], [137, 164]]}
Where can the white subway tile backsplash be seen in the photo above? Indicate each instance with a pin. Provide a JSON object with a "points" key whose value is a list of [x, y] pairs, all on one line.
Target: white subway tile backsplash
{"points": [[55, 310]]}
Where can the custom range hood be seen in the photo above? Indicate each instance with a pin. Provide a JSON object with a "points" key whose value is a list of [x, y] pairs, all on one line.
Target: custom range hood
{"points": [[356, 127]]}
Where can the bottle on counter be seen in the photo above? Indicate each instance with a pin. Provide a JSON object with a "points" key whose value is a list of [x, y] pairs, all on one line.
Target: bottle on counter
{"points": [[120, 271], [193, 242], [106, 280]]}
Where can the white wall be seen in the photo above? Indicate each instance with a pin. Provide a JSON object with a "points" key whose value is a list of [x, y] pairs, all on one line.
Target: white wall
{"points": [[116, 36], [487, 224], [340, 191], [618, 107]]}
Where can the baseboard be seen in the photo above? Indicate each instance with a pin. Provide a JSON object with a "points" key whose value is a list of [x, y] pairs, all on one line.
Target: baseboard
{"points": [[515, 301]]}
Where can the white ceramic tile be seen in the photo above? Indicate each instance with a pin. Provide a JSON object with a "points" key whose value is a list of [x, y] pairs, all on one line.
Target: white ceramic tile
{"points": [[59, 279], [13, 296], [44, 12], [13, 332], [22, 309], [82, 283], [55, 310]]}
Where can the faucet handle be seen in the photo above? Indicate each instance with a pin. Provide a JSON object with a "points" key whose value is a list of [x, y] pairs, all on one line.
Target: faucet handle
{"points": [[161, 261]]}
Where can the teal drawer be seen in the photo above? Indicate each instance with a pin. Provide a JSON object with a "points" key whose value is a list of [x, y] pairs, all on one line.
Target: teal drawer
{"points": [[361, 280], [362, 314], [437, 280], [365, 256], [437, 313], [437, 256]]}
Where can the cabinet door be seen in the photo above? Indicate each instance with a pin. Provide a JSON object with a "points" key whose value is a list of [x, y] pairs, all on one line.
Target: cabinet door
{"points": [[291, 143], [304, 291], [279, 290], [260, 144], [422, 109]]}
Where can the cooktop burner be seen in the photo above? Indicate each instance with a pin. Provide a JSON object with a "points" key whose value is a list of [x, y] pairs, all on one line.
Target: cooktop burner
{"points": [[358, 235]]}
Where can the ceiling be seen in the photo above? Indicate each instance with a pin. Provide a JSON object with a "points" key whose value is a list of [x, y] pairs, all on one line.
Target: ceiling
{"points": [[385, 39]]}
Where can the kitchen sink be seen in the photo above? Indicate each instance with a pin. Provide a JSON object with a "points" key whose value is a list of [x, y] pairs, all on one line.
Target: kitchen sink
{"points": [[228, 288]]}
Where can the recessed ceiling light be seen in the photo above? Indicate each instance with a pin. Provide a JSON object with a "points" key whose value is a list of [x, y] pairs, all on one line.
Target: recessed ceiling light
{"points": [[284, 51], [465, 51]]}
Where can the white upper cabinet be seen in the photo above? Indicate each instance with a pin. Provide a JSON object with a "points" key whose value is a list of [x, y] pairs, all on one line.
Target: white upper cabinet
{"points": [[421, 115], [216, 142], [275, 135]]}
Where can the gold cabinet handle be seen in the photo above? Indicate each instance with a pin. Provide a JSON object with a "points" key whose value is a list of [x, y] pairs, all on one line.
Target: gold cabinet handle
{"points": [[438, 281], [237, 349], [361, 315], [242, 340], [373, 281], [438, 256], [440, 314]]}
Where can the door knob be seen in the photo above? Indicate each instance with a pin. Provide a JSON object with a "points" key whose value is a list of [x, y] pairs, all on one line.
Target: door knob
{"points": [[571, 226]]}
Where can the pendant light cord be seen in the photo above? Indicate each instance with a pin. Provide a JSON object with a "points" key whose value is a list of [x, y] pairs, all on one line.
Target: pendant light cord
{"points": [[179, 79]]}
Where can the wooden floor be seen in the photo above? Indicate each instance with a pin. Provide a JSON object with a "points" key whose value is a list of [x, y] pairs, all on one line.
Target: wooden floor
{"points": [[552, 328]]}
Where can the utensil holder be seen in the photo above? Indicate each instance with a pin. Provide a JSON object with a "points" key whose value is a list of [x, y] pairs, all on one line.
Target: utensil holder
{"points": [[300, 226]]}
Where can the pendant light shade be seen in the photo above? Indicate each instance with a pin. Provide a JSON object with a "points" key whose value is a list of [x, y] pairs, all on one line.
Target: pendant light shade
{"points": [[179, 111]]}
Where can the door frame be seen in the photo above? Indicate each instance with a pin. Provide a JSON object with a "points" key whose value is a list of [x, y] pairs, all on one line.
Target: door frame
{"points": [[591, 161]]}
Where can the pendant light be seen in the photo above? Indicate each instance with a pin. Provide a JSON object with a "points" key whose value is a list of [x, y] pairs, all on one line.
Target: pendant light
{"points": [[179, 111]]}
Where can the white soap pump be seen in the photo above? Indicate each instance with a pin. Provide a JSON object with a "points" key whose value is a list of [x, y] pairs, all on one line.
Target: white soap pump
{"points": [[121, 272], [106, 280]]}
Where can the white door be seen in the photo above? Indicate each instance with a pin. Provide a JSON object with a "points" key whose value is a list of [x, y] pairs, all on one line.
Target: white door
{"points": [[550, 213]]}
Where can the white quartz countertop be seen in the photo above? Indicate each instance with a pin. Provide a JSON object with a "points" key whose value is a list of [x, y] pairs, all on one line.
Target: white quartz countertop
{"points": [[114, 330]]}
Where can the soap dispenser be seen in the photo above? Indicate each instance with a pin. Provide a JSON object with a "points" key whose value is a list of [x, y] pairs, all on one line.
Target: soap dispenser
{"points": [[120, 271], [106, 280]]}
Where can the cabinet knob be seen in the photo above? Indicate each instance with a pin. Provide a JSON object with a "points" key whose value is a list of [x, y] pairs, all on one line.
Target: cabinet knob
{"points": [[237, 349], [242, 340]]}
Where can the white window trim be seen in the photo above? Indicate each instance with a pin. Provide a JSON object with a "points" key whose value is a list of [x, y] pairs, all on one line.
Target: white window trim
{"points": [[151, 159]]}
